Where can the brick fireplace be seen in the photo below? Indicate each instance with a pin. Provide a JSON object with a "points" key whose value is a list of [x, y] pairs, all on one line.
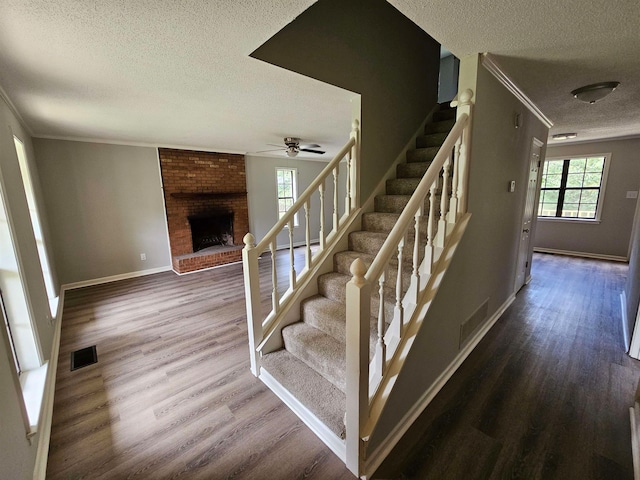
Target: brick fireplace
{"points": [[206, 202]]}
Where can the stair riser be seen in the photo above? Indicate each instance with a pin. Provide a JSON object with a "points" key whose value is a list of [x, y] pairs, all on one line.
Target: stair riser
{"points": [[422, 155], [447, 114], [439, 127], [308, 349], [431, 140], [412, 170]]}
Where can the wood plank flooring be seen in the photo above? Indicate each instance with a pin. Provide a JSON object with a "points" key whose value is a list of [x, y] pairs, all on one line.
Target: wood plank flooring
{"points": [[545, 395], [172, 395]]}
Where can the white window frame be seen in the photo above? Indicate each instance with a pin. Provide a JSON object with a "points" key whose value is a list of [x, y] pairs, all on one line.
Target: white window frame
{"points": [[294, 176], [601, 196], [36, 223]]}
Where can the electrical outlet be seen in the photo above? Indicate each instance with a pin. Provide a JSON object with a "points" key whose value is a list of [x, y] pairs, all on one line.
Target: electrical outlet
{"points": [[143, 256]]}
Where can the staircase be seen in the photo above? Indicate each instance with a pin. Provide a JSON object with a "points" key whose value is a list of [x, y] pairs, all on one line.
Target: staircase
{"points": [[334, 343], [311, 366]]}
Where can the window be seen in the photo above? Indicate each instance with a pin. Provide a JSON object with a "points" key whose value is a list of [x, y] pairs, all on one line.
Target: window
{"points": [[573, 188], [287, 186], [36, 224]]}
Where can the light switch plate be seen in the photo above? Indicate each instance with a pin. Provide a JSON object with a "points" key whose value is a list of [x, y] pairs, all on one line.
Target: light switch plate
{"points": [[512, 186], [632, 194]]}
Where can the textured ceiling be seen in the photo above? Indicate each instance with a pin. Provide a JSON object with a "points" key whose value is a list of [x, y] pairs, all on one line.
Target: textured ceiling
{"points": [[549, 48], [178, 73], [170, 73]]}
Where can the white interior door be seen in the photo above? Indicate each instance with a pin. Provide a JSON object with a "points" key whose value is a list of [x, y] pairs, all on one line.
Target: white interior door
{"points": [[535, 163]]}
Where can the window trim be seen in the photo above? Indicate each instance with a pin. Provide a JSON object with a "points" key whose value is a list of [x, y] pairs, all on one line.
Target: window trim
{"points": [[603, 184], [295, 194]]}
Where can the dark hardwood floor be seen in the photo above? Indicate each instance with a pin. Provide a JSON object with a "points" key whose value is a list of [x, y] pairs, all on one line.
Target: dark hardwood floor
{"points": [[545, 394]]}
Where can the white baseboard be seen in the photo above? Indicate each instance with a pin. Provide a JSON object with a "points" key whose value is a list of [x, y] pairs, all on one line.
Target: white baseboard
{"points": [[625, 324], [46, 415], [330, 439], [114, 278], [374, 460], [570, 253]]}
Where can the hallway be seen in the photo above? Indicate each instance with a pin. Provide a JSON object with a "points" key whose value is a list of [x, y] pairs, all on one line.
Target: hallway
{"points": [[545, 395]]}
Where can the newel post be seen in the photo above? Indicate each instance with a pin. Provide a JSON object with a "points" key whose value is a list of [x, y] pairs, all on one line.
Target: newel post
{"points": [[252, 296], [464, 105], [358, 317]]}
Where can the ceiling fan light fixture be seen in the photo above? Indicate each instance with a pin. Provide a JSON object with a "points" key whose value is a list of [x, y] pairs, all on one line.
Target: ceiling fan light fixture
{"points": [[592, 93], [564, 136], [292, 151]]}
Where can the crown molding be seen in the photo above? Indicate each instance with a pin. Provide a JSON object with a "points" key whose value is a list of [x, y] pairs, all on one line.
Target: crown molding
{"points": [[489, 62]]}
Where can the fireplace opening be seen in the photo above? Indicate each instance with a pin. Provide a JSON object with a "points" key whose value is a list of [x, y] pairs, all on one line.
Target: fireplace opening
{"points": [[211, 230]]}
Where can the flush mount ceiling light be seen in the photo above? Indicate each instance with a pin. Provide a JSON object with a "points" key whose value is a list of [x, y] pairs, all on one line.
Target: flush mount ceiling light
{"points": [[593, 93], [564, 136]]}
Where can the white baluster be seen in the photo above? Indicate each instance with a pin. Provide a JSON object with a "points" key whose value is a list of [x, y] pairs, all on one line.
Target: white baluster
{"points": [[455, 187], [416, 256], [465, 105], [380, 357], [307, 207], [441, 236], [336, 218], [292, 272], [429, 248], [398, 321], [275, 301], [355, 165], [323, 237], [347, 198]]}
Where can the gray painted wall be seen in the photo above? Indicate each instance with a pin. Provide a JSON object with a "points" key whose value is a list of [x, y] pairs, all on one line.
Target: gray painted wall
{"points": [[484, 266], [612, 235], [262, 196], [632, 290], [17, 457], [105, 208], [383, 56]]}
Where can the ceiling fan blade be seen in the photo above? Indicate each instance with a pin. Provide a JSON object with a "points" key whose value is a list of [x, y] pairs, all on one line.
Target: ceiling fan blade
{"points": [[309, 145], [276, 145], [309, 150], [274, 150]]}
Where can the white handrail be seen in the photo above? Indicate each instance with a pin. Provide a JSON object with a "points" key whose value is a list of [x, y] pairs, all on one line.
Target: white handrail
{"points": [[369, 381], [302, 199], [389, 247]]}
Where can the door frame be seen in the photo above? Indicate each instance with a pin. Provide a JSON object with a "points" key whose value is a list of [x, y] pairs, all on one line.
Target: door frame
{"points": [[535, 142]]}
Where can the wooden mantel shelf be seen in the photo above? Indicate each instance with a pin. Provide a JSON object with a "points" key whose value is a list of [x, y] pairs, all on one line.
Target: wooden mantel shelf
{"points": [[206, 194]]}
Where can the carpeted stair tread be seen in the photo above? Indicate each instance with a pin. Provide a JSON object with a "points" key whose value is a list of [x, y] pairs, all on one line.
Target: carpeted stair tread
{"points": [[391, 203], [422, 154], [320, 351], [367, 242], [322, 398], [412, 170], [342, 262], [333, 286], [431, 140], [438, 127], [402, 186], [444, 114], [329, 317], [379, 221]]}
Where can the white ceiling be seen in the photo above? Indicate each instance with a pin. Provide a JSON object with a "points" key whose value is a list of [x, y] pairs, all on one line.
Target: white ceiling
{"points": [[174, 73]]}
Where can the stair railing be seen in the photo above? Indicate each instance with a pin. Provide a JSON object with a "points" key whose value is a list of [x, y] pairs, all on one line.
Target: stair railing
{"points": [[251, 252], [366, 380]]}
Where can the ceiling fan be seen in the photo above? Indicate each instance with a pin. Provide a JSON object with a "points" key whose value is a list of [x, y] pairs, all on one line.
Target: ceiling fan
{"points": [[292, 147]]}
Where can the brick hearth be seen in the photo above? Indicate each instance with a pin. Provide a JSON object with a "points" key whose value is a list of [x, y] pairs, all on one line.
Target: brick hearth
{"points": [[198, 183]]}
